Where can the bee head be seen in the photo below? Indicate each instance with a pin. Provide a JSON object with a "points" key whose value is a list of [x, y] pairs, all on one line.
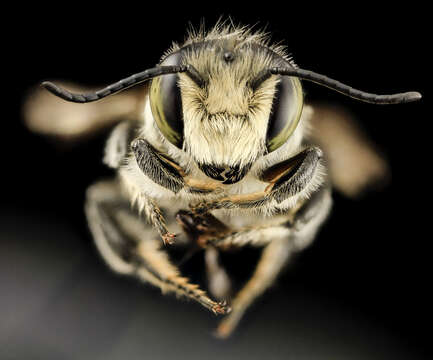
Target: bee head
{"points": [[227, 97], [226, 115]]}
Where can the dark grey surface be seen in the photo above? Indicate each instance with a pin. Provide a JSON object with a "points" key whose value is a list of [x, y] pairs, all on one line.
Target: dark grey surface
{"points": [[58, 301]]}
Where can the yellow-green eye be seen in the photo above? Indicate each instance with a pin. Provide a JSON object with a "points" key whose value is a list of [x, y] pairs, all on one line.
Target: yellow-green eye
{"points": [[285, 113], [166, 103]]}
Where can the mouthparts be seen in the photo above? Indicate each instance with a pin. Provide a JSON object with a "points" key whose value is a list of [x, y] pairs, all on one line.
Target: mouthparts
{"points": [[226, 174]]}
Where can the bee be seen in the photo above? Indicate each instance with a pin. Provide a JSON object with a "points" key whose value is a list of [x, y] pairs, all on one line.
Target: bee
{"points": [[215, 150]]}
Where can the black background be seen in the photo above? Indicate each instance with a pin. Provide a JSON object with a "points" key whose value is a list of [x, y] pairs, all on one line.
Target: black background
{"points": [[362, 290]]}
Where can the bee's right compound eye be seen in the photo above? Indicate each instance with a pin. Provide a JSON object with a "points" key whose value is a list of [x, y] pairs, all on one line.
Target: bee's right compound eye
{"points": [[166, 103], [286, 112]]}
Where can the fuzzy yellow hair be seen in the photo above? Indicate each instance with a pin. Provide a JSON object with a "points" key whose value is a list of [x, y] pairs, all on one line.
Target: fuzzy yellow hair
{"points": [[239, 34]]}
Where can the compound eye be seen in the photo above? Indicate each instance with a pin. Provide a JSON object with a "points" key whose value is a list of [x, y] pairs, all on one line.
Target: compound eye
{"points": [[285, 113], [166, 103]]}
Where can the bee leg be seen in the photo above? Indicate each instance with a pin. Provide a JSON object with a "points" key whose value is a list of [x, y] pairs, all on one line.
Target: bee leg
{"points": [[307, 220], [219, 283], [199, 229], [129, 246], [103, 202], [282, 242], [157, 167], [167, 173], [273, 258], [154, 216], [116, 152], [286, 179], [294, 175], [255, 236], [159, 271], [301, 224]]}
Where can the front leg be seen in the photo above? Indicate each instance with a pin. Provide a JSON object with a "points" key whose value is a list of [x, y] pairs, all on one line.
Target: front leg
{"points": [[155, 217], [166, 172], [292, 178], [159, 170], [116, 154]]}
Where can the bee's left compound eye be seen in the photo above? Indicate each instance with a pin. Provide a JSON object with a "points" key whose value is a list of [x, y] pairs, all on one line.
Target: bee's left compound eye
{"points": [[286, 112], [166, 103]]}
